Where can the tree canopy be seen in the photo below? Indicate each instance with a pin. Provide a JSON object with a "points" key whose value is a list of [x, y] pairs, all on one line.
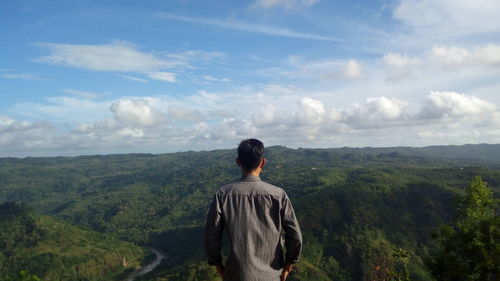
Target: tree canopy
{"points": [[469, 249]]}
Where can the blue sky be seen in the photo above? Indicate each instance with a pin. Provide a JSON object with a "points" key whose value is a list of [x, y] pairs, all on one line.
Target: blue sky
{"points": [[99, 77]]}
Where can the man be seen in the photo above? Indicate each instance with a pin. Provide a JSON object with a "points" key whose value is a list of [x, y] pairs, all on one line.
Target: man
{"points": [[254, 215]]}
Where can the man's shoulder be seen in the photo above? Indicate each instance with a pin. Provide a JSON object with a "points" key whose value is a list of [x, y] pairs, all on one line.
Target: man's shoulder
{"points": [[270, 188], [260, 187]]}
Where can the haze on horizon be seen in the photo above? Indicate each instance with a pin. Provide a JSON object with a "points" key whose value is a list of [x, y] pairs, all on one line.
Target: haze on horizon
{"points": [[96, 77]]}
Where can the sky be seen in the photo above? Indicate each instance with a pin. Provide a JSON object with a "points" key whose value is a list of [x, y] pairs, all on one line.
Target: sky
{"points": [[157, 76]]}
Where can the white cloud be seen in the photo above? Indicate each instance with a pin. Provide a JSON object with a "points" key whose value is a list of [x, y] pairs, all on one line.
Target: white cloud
{"points": [[6, 121], [452, 16], [125, 57], [83, 94], [233, 129], [132, 78], [333, 70], [310, 111], [265, 116], [288, 4], [62, 109], [184, 113], [110, 134], [451, 104], [137, 112], [441, 60], [119, 56], [488, 54], [276, 90], [375, 112], [449, 56], [131, 132], [18, 135], [399, 66], [162, 76], [396, 60], [200, 131], [250, 27], [445, 133], [327, 69], [197, 55], [485, 56], [23, 76], [352, 69], [214, 79]]}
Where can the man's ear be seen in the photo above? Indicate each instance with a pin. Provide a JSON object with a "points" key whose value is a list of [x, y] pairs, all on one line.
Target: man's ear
{"points": [[238, 162], [263, 163]]}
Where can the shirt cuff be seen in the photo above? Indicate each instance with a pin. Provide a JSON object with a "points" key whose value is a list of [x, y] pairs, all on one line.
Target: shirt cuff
{"points": [[291, 261]]}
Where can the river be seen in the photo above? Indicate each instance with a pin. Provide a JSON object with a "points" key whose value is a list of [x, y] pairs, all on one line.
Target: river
{"points": [[148, 267]]}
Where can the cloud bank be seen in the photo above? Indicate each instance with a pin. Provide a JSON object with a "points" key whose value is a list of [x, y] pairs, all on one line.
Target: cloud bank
{"points": [[154, 123]]}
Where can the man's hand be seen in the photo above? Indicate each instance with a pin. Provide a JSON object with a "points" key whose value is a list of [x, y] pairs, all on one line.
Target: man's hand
{"points": [[286, 270], [220, 270]]}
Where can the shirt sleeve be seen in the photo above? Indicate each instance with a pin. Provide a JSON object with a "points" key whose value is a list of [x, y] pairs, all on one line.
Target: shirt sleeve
{"points": [[293, 236], [214, 226]]}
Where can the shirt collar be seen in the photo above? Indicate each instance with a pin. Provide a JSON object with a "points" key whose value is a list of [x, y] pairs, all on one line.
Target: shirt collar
{"points": [[250, 178]]}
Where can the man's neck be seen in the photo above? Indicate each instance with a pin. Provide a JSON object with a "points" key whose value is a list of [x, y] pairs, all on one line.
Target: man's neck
{"points": [[255, 172]]}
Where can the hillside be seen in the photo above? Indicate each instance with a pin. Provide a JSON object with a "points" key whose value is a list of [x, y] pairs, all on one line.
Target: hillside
{"points": [[55, 250], [357, 206]]}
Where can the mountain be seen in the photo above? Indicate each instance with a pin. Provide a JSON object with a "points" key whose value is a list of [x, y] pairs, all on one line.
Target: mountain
{"points": [[55, 250], [361, 209]]}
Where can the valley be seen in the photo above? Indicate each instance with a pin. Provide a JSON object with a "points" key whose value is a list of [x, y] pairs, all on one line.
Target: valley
{"points": [[358, 207]]}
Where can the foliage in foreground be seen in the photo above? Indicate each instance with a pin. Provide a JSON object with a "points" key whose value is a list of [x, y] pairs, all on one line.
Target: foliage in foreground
{"points": [[469, 250]]}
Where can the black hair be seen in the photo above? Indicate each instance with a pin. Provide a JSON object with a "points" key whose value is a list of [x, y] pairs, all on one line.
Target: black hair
{"points": [[250, 153]]}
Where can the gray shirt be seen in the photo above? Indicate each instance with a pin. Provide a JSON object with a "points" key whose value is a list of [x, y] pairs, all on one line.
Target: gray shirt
{"points": [[254, 214]]}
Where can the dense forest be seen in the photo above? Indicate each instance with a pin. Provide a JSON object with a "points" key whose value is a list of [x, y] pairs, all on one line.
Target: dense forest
{"points": [[56, 250], [366, 213]]}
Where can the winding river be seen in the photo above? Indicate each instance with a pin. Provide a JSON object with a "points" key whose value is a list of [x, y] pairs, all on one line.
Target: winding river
{"points": [[148, 267]]}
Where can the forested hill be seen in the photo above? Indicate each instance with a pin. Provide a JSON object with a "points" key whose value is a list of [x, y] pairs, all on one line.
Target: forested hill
{"points": [[470, 154], [55, 250], [359, 208]]}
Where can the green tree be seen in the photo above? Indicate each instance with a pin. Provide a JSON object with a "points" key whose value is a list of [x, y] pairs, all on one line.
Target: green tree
{"points": [[470, 249]]}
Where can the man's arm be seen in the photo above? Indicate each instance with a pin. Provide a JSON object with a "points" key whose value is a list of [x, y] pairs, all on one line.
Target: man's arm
{"points": [[286, 270], [293, 236], [220, 270], [214, 226]]}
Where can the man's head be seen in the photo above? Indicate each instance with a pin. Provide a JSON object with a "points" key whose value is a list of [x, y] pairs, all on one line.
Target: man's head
{"points": [[250, 154]]}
